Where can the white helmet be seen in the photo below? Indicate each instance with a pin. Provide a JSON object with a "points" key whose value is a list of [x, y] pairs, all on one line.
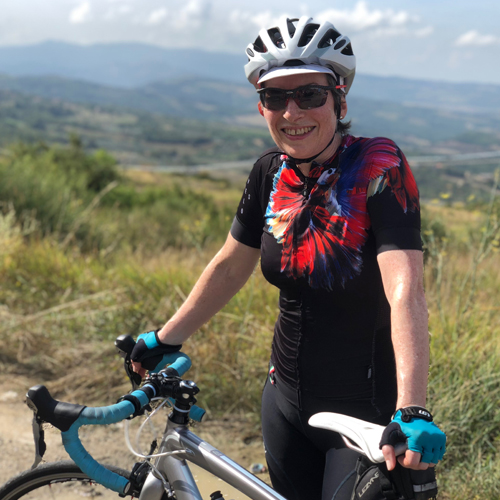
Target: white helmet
{"points": [[300, 46]]}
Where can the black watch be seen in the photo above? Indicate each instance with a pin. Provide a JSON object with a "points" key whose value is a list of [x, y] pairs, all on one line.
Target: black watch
{"points": [[410, 412]]}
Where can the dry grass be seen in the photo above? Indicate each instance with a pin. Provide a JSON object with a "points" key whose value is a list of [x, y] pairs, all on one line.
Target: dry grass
{"points": [[61, 309]]}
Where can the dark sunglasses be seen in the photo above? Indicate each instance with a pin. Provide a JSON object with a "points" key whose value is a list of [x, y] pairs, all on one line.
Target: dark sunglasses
{"points": [[306, 97]]}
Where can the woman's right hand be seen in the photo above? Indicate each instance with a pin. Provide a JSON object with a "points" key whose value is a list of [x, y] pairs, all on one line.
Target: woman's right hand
{"points": [[149, 351]]}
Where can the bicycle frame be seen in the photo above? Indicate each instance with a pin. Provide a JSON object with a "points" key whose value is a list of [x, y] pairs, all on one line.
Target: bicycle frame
{"points": [[176, 469]]}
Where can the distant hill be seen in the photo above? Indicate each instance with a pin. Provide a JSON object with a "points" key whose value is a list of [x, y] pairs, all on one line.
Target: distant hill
{"points": [[189, 98], [133, 137], [410, 124], [133, 65], [124, 65], [136, 136]]}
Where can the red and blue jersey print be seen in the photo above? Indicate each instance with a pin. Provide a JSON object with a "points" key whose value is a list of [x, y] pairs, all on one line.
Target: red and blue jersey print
{"points": [[322, 232]]}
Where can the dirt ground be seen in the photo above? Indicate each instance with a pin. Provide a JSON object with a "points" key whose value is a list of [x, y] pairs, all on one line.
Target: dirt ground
{"points": [[238, 439]]}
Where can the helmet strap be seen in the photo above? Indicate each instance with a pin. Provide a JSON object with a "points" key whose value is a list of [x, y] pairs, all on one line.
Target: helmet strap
{"points": [[309, 160]]}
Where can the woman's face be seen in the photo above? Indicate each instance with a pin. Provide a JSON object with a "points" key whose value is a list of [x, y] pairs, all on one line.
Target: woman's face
{"points": [[302, 133]]}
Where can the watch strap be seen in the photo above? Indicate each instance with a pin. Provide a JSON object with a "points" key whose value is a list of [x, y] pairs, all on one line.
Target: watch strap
{"points": [[409, 412]]}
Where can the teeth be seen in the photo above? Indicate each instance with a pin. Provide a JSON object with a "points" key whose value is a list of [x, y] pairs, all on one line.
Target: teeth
{"points": [[298, 131]]}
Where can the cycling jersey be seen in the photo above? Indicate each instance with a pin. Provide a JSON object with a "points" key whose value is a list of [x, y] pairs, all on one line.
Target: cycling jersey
{"points": [[319, 238]]}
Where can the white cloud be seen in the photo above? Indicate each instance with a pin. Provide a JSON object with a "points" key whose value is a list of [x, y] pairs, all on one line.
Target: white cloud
{"points": [[424, 32], [116, 11], [475, 39], [194, 13], [157, 16], [361, 18], [244, 21], [80, 14]]}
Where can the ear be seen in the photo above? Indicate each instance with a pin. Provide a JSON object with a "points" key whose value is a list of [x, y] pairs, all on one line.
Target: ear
{"points": [[261, 111], [343, 108]]}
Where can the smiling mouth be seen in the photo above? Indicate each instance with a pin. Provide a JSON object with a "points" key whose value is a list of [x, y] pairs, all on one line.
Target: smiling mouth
{"points": [[297, 131]]}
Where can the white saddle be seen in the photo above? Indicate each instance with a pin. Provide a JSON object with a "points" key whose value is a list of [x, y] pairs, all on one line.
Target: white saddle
{"points": [[358, 435]]}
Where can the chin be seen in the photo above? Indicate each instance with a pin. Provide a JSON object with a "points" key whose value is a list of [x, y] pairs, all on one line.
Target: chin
{"points": [[292, 150], [295, 153]]}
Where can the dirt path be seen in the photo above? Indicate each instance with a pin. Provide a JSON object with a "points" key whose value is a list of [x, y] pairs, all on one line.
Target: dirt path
{"points": [[239, 440]]}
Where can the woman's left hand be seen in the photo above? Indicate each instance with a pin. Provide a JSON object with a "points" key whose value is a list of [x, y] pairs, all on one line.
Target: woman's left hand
{"points": [[426, 442]]}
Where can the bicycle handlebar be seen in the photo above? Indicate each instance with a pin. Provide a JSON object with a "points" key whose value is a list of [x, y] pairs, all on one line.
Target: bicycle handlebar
{"points": [[69, 418]]}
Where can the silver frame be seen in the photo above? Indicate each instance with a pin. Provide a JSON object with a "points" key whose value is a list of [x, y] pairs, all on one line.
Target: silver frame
{"points": [[175, 468]]}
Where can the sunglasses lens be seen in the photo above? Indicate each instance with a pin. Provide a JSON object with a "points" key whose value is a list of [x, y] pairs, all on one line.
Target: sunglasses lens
{"points": [[311, 97], [273, 99], [305, 98]]}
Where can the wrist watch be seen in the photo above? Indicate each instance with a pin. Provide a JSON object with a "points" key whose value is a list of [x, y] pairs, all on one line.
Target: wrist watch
{"points": [[409, 412]]}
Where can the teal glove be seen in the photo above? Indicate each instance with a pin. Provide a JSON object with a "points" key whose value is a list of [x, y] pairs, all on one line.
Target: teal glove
{"points": [[414, 425], [149, 350]]}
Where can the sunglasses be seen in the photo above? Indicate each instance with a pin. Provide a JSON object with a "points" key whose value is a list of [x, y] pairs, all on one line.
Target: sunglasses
{"points": [[307, 97]]}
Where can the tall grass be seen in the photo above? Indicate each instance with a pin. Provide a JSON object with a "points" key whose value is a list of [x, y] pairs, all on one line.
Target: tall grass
{"points": [[83, 200], [463, 287], [63, 301]]}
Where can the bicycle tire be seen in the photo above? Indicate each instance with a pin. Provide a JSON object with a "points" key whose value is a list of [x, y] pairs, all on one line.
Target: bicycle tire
{"points": [[57, 480]]}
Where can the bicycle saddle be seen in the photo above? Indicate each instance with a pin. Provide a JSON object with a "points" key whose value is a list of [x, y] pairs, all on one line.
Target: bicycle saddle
{"points": [[365, 435]]}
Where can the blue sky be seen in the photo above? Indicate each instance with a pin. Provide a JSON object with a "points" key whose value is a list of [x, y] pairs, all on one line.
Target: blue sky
{"points": [[455, 40]]}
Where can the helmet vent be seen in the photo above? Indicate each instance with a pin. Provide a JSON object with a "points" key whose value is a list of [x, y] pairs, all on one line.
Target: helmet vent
{"points": [[275, 35], [329, 39], [347, 50], [293, 62], [307, 34], [291, 26], [340, 44], [259, 46]]}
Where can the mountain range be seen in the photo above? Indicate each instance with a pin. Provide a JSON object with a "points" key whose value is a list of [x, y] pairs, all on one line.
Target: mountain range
{"points": [[134, 65], [145, 104], [410, 124]]}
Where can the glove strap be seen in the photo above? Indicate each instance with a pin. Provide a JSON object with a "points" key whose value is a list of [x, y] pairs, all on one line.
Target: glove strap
{"points": [[410, 412]]}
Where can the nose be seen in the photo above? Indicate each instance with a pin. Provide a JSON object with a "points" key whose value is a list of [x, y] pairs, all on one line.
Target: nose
{"points": [[292, 112]]}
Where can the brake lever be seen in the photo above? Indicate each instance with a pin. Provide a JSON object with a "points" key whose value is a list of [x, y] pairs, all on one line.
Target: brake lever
{"points": [[38, 433], [125, 344]]}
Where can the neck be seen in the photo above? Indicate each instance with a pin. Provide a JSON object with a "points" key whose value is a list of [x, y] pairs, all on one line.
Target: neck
{"points": [[305, 168]]}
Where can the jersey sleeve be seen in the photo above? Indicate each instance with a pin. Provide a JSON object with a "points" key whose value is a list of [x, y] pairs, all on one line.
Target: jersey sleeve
{"points": [[393, 206], [248, 223]]}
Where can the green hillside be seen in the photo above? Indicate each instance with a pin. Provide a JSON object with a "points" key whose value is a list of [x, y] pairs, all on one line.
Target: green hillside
{"points": [[192, 122], [132, 136], [418, 125]]}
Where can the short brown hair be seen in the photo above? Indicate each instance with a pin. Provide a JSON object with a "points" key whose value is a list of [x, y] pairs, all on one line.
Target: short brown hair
{"points": [[342, 127]]}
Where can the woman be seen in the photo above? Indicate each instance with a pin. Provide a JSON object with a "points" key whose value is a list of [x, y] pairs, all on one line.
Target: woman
{"points": [[335, 220]]}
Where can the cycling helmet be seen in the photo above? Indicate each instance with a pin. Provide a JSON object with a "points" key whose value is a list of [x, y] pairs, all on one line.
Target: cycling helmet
{"points": [[296, 46]]}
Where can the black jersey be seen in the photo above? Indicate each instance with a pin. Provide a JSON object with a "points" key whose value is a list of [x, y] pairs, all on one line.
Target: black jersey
{"points": [[319, 238]]}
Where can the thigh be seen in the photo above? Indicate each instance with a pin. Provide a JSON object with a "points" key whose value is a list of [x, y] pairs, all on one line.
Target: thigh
{"points": [[340, 474], [295, 465]]}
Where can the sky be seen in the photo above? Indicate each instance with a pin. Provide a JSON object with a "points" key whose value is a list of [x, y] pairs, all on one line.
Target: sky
{"points": [[451, 40]]}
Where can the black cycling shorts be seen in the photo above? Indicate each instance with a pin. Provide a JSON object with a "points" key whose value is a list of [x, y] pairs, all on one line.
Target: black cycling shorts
{"points": [[305, 462]]}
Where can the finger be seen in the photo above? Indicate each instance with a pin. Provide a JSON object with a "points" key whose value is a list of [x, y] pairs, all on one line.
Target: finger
{"points": [[440, 453], [412, 460], [437, 456], [428, 456], [389, 456], [410, 465], [137, 367]]}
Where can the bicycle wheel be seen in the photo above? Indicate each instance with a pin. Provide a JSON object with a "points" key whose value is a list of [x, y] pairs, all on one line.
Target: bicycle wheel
{"points": [[57, 481]]}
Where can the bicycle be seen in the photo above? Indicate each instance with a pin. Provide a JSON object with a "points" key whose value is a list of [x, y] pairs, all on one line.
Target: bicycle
{"points": [[169, 475]]}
